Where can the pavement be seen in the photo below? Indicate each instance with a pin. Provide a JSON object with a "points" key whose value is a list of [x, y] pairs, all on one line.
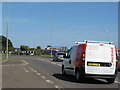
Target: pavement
{"points": [[40, 72]]}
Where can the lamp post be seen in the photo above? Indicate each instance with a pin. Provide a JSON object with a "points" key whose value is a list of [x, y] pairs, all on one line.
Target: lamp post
{"points": [[7, 31], [51, 19]]}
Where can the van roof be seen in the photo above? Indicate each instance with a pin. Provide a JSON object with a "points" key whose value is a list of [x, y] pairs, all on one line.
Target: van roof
{"points": [[90, 41]]}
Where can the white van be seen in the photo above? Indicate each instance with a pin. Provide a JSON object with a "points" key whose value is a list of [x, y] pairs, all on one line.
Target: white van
{"points": [[91, 59]]}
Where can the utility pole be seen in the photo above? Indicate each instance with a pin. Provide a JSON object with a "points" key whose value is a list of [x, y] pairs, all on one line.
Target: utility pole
{"points": [[51, 18], [7, 31]]}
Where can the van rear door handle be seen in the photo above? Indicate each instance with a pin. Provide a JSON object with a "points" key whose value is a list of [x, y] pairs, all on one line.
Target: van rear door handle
{"points": [[69, 61]]}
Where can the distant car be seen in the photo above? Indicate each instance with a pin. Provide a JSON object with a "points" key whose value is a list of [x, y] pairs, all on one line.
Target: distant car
{"points": [[32, 54], [118, 54], [58, 56]]}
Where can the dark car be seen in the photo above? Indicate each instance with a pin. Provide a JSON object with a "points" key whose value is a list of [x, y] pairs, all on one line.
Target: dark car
{"points": [[58, 56]]}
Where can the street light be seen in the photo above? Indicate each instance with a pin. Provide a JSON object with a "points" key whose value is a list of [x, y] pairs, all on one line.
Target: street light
{"points": [[51, 19], [7, 31]]}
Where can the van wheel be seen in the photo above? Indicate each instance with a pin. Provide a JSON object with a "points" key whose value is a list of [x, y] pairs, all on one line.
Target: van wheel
{"points": [[63, 71], [110, 80], [78, 76]]}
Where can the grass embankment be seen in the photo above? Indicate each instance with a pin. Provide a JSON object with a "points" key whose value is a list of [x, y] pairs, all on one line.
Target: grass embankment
{"points": [[4, 59], [48, 56]]}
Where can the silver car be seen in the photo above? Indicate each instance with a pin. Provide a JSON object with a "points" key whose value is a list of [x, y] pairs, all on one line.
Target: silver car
{"points": [[58, 56]]}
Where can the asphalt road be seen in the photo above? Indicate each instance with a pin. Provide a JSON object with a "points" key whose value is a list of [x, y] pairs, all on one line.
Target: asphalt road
{"points": [[39, 72]]}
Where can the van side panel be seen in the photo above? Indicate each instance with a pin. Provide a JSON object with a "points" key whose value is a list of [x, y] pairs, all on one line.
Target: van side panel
{"points": [[80, 49]]}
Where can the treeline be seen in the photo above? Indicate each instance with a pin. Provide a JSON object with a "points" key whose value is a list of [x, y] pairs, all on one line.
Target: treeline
{"points": [[3, 41], [23, 49]]}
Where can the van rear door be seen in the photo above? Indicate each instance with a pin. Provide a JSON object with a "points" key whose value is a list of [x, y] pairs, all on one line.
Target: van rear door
{"points": [[100, 59]]}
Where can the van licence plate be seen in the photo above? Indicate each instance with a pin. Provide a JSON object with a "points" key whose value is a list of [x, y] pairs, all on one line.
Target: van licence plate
{"points": [[94, 64], [62, 58]]}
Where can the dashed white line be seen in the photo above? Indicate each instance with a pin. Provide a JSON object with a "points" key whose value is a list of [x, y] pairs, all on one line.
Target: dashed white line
{"points": [[34, 70], [53, 63], [43, 77], [25, 69], [59, 87], [59, 65], [49, 81], [38, 74], [117, 82]]}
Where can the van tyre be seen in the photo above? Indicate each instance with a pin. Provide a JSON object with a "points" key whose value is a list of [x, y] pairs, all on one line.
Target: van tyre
{"points": [[110, 80], [63, 71], [78, 76]]}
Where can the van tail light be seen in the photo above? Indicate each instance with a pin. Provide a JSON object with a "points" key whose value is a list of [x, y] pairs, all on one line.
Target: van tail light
{"points": [[83, 55], [116, 56], [83, 58], [83, 62]]}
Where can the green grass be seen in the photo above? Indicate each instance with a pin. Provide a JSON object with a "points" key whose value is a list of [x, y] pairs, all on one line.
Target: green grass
{"points": [[3, 57], [49, 56]]}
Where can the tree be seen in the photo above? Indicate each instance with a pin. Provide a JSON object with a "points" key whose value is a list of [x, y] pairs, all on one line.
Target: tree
{"points": [[38, 47], [24, 48], [48, 45], [3, 41]]}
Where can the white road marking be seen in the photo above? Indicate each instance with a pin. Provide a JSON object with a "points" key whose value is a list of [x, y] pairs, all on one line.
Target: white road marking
{"points": [[53, 63], [43, 77], [34, 70], [117, 82], [38, 74], [25, 63], [49, 81], [59, 87], [59, 65], [25, 70]]}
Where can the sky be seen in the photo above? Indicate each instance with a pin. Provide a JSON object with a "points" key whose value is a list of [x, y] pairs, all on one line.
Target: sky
{"points": [[29, 22]]}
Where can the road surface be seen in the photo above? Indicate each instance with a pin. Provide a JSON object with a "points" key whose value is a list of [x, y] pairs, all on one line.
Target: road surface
{"points": [[41, 72]]}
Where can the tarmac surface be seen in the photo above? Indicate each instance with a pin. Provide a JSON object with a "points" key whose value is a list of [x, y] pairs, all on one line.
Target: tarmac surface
{"points": [[40, 72]]}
